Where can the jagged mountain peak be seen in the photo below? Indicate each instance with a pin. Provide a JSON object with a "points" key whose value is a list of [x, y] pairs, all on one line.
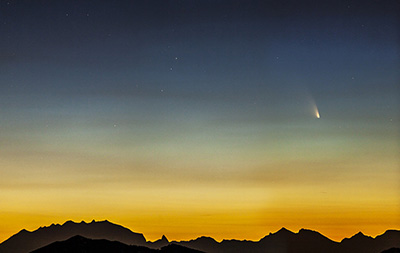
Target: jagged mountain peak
{"points": [[283, 240], [162, 242], [309, 232], [305, 230], [68, 222], [85, 245], [26, 241], [23, 232], [164, 238], [359, 234], [205, 238], [357, 237], [284, 231]]}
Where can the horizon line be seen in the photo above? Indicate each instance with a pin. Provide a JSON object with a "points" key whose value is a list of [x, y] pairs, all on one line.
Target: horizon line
{"points": [[283, 228]]}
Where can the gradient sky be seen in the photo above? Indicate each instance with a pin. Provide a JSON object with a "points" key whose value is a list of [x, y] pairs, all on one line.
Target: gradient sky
{"points": [[190, 118]]}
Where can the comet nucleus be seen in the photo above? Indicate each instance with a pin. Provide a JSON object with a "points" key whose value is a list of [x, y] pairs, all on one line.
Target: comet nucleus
{"points": [[317, 113]]}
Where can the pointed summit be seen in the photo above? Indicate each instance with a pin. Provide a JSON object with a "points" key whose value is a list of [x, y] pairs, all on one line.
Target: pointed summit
{"points": [[281, 234], [68, 222], [284, 231], [23, 231], [359, 234], [164, 238], [357, 239], [159, 243]]}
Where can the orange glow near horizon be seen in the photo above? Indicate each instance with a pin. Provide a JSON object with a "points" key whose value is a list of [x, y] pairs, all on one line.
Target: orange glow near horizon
{"points": [[202, 186], [229, 212], [220, 226], [209, 189]]}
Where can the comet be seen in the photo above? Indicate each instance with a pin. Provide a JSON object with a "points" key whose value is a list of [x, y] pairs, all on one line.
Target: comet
{"points": [[314, 107], [317, 113]]}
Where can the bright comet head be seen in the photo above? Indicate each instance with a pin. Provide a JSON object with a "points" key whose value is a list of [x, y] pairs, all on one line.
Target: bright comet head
{"points": [[313, 106], [317, 113]]}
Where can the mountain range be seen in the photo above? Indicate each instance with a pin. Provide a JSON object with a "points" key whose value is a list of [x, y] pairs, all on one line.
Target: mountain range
{"points": [[79, 244], [106, 235]]}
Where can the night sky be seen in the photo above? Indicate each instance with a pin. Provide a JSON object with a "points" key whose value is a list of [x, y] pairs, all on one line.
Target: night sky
{"points": [[190, 118]]}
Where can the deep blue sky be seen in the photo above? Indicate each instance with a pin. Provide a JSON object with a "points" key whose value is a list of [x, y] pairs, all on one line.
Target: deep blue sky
{"points": [[230, 61]]}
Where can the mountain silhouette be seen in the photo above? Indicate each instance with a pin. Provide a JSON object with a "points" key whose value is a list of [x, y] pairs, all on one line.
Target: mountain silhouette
{"points": [[26, 241], [203, 243], [391, 238], [392, 250], [159, 243], [305, 241], [282, 241], [79, 244]]}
